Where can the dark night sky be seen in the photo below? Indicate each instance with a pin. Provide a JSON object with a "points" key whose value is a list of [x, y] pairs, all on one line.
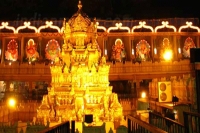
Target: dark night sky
{"points": [[101, 9]]}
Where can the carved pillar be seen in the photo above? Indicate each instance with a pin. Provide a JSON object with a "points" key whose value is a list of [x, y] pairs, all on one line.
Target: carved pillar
{"points": [[105, 47], [178, 41], [61, 42], [133, 49], [18, 40], [100, 40], [22, 49], [131, 44], [179, 47], [7, 85], [153, 45], [3, 49], [198, 45], [174, 45], [133, 88], [30, 88], [154, 50], [0, 49], [197, 73], [138, 88], [40, 47]]}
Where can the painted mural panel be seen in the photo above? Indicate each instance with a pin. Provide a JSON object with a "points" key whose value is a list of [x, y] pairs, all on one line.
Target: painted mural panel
{"points": [[166, 52], [142, 51], [118, 51], [189, 43], [52, 50], [2, 89], [31, 51], [12, 50]]}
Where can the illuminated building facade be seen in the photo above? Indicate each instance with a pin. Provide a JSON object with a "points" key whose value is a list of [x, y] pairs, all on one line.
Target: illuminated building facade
{"points": [[157, 50]]}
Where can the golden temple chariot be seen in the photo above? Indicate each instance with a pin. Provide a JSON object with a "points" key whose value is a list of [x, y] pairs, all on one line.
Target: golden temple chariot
{"points": [[80, 84]]}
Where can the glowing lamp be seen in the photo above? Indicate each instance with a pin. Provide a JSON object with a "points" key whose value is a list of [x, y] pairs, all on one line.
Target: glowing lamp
{"points": [[105, 51], [143, 95], [175, 111], [11, 102], [179, 50], [132, 51], [155, 51], [167, 55]]}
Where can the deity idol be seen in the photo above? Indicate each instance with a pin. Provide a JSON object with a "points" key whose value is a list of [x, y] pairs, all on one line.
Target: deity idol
{"points": [[166, 47], [12, 50], [31, 51], [2, 86], [189, 43], [166, 43], [118, 50], [52, 50], [143, 49]]}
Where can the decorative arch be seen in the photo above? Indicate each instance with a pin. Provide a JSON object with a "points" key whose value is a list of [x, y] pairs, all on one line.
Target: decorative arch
{"points": [[142, 24], [49, 24], [165, 24], [188, 25]]}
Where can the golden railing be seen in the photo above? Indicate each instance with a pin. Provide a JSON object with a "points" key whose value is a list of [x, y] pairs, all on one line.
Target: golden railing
{"points": [[149, 67], [118, 71], [149, 70]]}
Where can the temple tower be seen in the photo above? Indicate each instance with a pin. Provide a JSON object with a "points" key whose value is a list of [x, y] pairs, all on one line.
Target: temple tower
{"points": [[80, 83]]}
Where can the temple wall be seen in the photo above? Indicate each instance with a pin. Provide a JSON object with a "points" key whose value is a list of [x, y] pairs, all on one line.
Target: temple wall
{"points": [[105, 41]]}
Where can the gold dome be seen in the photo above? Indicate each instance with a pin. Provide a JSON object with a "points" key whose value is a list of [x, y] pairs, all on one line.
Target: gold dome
{"points": [[79, 22]]}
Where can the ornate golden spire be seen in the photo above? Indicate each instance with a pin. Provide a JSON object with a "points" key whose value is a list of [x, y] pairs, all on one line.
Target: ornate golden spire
{"points": [[79, 83], [79, 5]]}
